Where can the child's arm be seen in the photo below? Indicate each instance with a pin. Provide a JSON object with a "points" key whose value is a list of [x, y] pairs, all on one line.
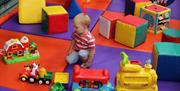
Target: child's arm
{"points": [[90, 58], [91, 55]]}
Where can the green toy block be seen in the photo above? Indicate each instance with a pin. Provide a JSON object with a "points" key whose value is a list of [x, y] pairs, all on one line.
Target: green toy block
{"points": [[24, 58], [141, 34]]}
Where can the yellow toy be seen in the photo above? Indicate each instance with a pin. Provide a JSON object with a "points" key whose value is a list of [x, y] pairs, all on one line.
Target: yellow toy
{"points": [[30, 11], [61, 77], [133, 77]]}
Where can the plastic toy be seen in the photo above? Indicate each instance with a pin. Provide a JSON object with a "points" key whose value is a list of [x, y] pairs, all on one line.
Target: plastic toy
{"points": [[107, 24], [55, 19], [6, 6], [133, 77], [158, 17], [30, 11], [171, 35], [131, 31], [90, 80], [166, 60], [18, 51], [57, 87], [33, 73], [132, 7], [63, 78]]}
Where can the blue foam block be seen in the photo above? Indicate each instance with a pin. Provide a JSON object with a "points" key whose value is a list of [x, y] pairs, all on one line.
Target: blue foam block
{"points": [[73, 9], [168, 68], [168, 61]]}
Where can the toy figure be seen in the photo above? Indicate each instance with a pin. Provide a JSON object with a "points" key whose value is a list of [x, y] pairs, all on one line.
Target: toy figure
{"points": [[34, 69], [83, 43]]}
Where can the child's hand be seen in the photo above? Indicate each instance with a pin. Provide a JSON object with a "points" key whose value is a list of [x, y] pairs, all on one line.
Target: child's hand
{"points": [[85, 65]]}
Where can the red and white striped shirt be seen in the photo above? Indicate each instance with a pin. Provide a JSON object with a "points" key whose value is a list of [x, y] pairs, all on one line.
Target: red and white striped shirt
{"points": [[83, 41]]}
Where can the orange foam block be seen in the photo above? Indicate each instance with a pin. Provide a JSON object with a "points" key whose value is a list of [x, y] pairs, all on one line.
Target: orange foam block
{"points": [[95, 4]]}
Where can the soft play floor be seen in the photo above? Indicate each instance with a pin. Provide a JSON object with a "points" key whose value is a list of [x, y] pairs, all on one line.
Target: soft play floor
{"points": [[53, 48]]}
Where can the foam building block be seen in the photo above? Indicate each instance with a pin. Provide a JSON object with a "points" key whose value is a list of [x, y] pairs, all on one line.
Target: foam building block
{"points": [[171, 35], [158, 17], [30, 11], [73, 9], [107, 23], [166, 60], [55, 19], [133, 6], [131, 31]]}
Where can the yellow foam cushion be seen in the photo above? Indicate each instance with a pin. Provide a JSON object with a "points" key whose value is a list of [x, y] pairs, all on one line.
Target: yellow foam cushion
{"points": [[30, 11], [52, 10], [61, 77], [139, 6], [125, 34]]}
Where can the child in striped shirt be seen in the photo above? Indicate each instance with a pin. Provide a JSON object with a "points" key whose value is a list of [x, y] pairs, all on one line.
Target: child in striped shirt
{"points": [[83, 43]]}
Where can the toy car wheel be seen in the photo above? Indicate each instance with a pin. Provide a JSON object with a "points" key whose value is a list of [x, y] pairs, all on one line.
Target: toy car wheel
{"points": [[23, 78], [47, 82], [40, 81], [32, 80]]}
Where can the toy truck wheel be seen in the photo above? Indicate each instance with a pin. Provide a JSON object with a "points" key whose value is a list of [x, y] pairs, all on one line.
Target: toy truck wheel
{"points": [[47, 81], [32, 80], [23, 78], [40, 81]]}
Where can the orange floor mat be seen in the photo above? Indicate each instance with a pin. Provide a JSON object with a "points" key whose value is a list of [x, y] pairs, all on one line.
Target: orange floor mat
{"points": [[49, 48], [55, 1], [175, 24], [6, 17], [96, 4]]}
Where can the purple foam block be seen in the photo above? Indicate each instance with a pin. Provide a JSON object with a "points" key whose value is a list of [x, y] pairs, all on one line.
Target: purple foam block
{"points": [[117, 6], [175, 6], [13, 25]]}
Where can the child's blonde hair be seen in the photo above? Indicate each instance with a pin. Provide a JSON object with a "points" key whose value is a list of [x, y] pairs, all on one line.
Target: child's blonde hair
{"points": [[82, 19]]}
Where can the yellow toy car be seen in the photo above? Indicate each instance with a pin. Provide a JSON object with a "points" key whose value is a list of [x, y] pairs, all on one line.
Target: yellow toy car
{"points": [[133, 77]]}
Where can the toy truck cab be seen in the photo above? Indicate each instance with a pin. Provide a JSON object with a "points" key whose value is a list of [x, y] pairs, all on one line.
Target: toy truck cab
{"points": [[90, 80], [133, 77]]}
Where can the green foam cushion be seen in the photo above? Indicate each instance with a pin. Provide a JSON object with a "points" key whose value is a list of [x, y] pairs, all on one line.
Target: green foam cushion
{"points": [[172, 32], [168, 48]]}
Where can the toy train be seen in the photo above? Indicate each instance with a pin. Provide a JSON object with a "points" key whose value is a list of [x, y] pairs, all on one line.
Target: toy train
{"points": [[90, 80], [33, 73], [133, 77]]}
